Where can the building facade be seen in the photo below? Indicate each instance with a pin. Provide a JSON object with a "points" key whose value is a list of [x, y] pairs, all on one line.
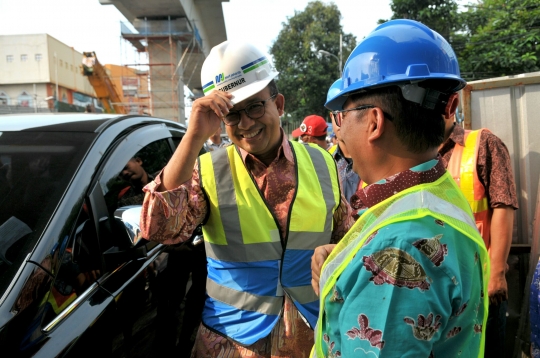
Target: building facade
{"points": [[40, 73]]}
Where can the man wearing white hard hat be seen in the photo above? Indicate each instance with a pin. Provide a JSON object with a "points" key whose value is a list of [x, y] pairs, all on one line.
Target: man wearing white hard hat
{"points": [[265, 203]]}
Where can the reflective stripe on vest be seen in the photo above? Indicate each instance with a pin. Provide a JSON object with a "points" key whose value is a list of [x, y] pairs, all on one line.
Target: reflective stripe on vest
{"points": [[440, 199], [462, 167], [248, 270]]}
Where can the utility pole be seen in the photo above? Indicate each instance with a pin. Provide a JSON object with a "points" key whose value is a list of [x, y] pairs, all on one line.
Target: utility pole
{"points": [[341, 54], [56, 75], [35, 99]]}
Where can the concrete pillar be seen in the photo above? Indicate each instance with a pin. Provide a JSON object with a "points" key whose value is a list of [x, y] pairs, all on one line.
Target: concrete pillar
{"points": [[165, 86]]}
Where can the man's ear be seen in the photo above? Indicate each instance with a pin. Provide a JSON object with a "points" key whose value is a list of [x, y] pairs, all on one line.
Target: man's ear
{"points": [[451, 106], [280, 104], [377, 125]]}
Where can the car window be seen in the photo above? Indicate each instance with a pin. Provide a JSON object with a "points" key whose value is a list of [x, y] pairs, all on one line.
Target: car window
{"points": [[78, 265], [35, 170], [81, 257], [125, 186]]}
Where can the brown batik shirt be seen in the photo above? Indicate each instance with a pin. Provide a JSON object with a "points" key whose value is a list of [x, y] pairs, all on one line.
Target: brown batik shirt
{"points": [[493, 166], [170, 217]]}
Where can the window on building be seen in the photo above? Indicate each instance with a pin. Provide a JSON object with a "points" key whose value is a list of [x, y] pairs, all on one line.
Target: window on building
{"points": [[38, 57], [25, 99], [4, 98], [71, 66], [67, 67], [61, 63], [24, 58], [9, 58]]}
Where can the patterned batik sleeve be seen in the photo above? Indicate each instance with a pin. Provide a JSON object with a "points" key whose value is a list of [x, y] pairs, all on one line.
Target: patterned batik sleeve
{"points": [[410, 291], [171, 216], [343, 220], [495, 171]]}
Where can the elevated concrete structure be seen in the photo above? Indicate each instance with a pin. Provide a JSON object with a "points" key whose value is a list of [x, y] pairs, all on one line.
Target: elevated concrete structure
{"points": [[178, 35]]}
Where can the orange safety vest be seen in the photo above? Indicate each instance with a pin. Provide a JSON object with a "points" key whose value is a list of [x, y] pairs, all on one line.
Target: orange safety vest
{"points": [[462, 167]]}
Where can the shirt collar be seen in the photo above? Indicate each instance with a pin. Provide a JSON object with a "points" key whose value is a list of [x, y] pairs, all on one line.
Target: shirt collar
{"points": [[283, 150], [375, 193]]}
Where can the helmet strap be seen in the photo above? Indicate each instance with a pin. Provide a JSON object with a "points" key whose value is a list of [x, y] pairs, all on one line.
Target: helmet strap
{"points": [[426, 97]]}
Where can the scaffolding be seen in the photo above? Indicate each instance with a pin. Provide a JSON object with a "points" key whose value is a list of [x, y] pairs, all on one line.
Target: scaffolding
{"points": [[169, 48]]}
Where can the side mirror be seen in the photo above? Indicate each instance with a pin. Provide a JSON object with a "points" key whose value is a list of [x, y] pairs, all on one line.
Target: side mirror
{"points": [[128, 217]]}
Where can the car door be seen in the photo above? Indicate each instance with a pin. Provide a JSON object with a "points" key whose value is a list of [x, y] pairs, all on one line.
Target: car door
{"points": [[101, 299]]}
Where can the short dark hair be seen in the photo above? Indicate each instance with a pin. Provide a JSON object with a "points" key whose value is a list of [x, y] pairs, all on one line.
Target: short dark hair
{"points": [[418, 128], [272, 86], [320, 137]]}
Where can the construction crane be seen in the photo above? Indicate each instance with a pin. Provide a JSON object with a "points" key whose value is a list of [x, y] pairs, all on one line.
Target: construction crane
{"points": [[99, 79]]}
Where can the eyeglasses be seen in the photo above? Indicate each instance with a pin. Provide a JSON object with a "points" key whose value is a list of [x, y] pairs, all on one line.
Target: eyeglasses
{"points": [[254, 111], [337, 116]]}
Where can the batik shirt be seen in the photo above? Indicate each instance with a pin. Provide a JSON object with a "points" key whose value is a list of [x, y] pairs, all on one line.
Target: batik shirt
{"points": [[414, 289], [170, 217], [493, 166]]}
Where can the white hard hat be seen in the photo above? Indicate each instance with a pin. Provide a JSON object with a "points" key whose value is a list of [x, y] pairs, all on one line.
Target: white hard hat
{"points": [[238, 68]]}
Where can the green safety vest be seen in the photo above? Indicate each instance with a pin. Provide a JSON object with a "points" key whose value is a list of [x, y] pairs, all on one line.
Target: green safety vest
{"points": [[441, 199]]}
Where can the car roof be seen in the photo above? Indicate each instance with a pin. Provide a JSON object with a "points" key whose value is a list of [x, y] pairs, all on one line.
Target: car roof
{"points": [[63, 122]]}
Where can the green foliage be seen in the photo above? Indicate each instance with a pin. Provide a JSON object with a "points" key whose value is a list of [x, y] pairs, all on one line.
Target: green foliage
{"points": [[439, 15], [501, 39], [305, 76], [492, 38]]}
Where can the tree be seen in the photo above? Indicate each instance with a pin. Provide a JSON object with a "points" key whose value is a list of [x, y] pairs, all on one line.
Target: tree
{"points": [[304, 75], [493, 38], [439, 15], [502, 38]]}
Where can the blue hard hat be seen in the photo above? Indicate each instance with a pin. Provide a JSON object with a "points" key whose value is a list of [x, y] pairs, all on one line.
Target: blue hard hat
{"points": [[400, 52], [334, 89]]}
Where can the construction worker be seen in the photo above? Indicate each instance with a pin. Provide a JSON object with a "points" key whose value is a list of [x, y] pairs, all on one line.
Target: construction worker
{"points": [[349, 179], [409, 278], [480, 164], [333, 142], [265, 203], [313, 130]]}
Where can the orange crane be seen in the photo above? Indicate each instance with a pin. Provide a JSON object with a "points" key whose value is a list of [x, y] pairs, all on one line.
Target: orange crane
{"points": [[99, 79]]}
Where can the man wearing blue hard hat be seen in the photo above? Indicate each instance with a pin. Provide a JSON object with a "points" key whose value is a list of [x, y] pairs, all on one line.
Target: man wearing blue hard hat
{"points": [[410, 277]]}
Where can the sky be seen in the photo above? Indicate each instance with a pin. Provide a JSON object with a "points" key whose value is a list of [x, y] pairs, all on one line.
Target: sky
{"points": [[87, 25]]}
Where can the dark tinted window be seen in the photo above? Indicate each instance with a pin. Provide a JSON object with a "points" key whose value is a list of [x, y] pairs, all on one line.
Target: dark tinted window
{"points": [[78, 262], [35, 169], [125, 187]]}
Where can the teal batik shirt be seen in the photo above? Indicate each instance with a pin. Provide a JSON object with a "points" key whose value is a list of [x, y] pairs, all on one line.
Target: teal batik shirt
{"points": [[413, 290]]}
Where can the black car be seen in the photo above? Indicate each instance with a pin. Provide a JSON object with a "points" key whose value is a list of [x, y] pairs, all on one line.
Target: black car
{"points": [[75, 278]]}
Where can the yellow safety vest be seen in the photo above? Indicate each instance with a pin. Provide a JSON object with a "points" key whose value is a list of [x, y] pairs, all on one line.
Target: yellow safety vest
{"points": [[462, 167], [244, 247], [440, 199]]}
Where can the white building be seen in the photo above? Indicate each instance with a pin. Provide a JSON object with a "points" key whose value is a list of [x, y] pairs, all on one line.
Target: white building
{"points": [[33, 68]]}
